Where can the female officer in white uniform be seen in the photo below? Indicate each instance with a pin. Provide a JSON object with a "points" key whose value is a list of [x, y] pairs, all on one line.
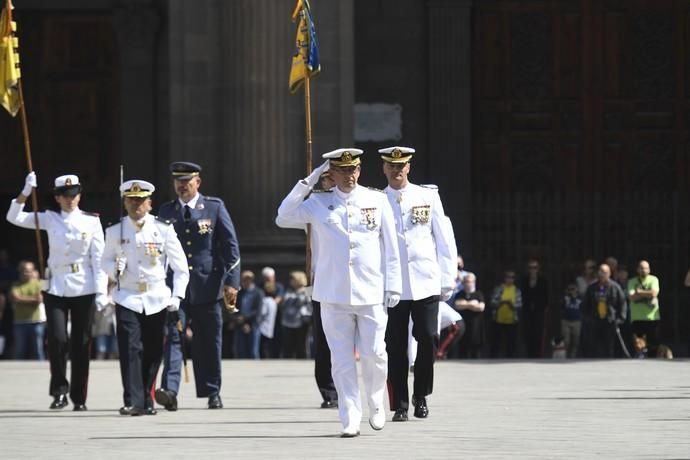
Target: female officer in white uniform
{"points": [[74, 275], [138, 252]]}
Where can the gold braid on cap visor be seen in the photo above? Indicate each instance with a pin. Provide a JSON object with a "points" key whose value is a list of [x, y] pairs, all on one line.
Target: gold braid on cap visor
{"points": [[135, 191], [346, 159], [396, 156]]}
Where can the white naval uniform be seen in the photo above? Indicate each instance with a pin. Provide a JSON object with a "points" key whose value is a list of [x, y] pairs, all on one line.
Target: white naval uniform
{"points": [[357, 260], [75, 242], [428, 265], [75, 246], [149, 252]]}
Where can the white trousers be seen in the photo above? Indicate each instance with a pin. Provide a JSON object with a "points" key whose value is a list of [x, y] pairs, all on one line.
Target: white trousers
{"points": [[362, 327]]}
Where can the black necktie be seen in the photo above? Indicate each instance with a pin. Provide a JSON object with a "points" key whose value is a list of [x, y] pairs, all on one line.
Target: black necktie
{"points": [[187, 213]]}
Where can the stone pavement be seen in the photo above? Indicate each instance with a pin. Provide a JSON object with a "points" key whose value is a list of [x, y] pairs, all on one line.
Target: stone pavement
{"points": [[540, 409]]}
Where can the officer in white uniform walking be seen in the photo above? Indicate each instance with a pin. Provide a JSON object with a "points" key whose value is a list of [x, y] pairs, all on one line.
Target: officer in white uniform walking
{"points": [[75, 240], [427, 265], [357, 278], [138, 252]]}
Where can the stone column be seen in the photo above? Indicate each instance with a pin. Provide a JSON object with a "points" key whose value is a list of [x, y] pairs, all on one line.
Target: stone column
{"points": [[450, 110], [230, 109], [136, 24]]}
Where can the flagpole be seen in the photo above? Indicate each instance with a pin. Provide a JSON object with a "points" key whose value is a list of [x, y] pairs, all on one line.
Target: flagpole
{"points": [[29, 163], [307, 110]]}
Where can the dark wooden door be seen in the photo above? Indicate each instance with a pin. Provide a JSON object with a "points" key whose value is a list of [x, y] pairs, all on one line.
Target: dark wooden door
{"points": [[581, 126], [69, 73]]}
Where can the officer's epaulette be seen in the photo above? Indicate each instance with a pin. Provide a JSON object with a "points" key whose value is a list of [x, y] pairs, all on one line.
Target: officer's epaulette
{"points": [[165, 221], [213, 198], [94, 214], [429, 186], [376, 189]]}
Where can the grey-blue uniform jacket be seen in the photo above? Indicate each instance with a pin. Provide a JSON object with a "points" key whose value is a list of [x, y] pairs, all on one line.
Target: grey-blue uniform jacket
{"points": [[210, 244]]}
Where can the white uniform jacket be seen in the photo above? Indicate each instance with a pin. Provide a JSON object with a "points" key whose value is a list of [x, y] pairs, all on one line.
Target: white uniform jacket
{"points": [[357, 252], [149, 251], [425, 256], [452, 247], [75, 242]]}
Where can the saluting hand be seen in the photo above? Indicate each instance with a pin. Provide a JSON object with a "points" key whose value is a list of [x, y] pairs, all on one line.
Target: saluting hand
{"points": [[313, 178]]}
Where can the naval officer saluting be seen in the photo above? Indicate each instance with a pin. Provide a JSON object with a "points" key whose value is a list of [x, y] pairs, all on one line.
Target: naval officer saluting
{"points": [[357, 277], [138, 251], [75, 241], [428, 265]]}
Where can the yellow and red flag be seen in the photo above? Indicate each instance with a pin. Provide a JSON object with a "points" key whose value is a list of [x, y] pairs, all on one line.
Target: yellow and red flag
{"points": [[9, 62], [305, 59]]}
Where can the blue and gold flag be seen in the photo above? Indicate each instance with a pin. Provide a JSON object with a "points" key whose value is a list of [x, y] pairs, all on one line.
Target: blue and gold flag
{"points": [[9, 62], [305, 60]]}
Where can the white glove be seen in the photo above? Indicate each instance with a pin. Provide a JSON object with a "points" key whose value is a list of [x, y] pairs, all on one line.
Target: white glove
{"points": [[390, 299], [313, 178], [29, 183], [120, 264], [446, 292], [102, 302], [174, 303]]}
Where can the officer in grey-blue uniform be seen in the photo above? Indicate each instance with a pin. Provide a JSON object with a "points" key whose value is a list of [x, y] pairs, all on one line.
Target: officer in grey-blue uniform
{"points": [[208, 239]]}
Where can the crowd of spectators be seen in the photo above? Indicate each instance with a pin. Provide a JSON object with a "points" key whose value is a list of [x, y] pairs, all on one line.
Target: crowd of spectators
{"points": [[601, 313]]}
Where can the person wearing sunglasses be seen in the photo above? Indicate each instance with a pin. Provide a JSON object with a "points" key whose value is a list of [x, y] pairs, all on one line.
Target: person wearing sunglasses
{"points": [[357, 278]]}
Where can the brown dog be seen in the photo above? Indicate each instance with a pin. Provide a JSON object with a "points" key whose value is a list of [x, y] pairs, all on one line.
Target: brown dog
{"points": [[640, 346], [641, 349], [664, 352]]}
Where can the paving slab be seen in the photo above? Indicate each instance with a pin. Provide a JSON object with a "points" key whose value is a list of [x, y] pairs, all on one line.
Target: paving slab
{"points": [[625, 409]]}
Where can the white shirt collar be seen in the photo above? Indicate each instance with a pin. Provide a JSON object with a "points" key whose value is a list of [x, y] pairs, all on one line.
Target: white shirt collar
{"points": [[344, 195], [400, 190], [191, 203], [70, 215], [133, 223]]}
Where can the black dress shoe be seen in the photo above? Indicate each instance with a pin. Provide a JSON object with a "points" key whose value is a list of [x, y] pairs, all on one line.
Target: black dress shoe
{"points": [[59, 402], [420, 408], [134, 411], [214, 402], [79, 408], [329, 405], [151, 411], [400, 415], [167, 399]]}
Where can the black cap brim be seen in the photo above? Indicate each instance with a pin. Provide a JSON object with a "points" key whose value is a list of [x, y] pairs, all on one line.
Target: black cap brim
{"points": [[69, 190], [184, 177]]}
